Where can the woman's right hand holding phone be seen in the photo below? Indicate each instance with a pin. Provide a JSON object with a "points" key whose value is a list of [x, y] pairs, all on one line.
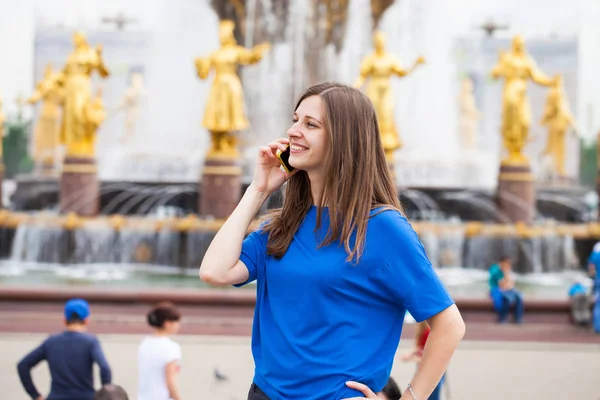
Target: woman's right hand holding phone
{"points": [[221, 264], [268, 175]]}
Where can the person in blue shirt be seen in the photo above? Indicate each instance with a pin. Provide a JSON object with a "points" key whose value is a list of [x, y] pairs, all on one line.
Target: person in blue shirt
{"points": [[337, 266], [503, 293], [70, 356], [594, 271]]}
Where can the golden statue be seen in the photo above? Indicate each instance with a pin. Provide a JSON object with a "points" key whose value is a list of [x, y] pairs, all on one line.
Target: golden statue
{"points": [[517, 67], [81, 112], [468, 115], [50, 91], [379, 67], [94, 114], [558, 118], [224, 112], [2, 119]]}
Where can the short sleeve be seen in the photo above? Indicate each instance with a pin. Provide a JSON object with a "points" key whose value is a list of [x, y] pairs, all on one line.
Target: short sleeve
{"points": [[404, 272], [254, 249], [496, 274], [177, 352], [174, 352]]}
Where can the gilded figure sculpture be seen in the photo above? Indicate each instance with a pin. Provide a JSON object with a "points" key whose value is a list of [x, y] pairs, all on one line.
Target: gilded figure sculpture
{"points": [[224, 111], [50, 92], [94, 114], [468, 115], [379, 67], [81, 116], [517, 67], [558, 118]]}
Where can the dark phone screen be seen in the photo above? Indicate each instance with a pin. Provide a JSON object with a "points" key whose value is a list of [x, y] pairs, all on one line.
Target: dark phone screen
{"points": [[284, 157]]}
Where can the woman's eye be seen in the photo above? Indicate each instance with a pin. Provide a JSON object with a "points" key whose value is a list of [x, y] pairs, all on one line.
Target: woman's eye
{"points": [[311, 125]]}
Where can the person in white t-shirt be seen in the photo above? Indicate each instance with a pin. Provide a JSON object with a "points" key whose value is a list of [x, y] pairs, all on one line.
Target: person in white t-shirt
{"points": [[159, 357]]}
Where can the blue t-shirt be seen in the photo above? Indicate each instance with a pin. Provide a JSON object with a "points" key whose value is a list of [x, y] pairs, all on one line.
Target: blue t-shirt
{"points": [[496, 275], [71, 357], [321, 321]]}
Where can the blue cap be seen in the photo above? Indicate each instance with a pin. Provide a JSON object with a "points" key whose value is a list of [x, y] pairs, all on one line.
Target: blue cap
{"points": [[77, 307]]}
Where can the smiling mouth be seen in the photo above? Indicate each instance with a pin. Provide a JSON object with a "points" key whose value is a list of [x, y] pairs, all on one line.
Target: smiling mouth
{"points": [[297, 148]]}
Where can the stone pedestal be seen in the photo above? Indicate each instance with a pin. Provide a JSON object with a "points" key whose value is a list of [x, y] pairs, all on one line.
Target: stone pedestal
{"points": [[221, 187], [516, 192], [79, 187]]}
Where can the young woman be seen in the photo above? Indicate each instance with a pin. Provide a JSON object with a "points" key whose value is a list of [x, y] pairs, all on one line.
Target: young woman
{"points": [[159, 357], [337, 266]]}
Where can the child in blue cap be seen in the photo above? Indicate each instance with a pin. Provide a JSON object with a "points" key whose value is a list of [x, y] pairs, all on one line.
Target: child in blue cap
{"points": [[70, 356]]}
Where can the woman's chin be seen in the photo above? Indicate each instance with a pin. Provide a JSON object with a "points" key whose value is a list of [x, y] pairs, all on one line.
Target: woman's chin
{"points": [[298, 162], [294, 162]]}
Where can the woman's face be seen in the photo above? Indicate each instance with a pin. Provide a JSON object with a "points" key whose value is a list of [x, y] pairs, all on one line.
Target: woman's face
{"points": [[308, 137]]}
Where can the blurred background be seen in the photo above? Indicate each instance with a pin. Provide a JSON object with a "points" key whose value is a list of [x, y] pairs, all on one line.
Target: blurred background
{"points": [[150, 149], [130, 205]]}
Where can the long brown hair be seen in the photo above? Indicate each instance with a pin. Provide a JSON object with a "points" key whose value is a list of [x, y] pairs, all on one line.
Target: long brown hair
{"points": [[358, 179]]}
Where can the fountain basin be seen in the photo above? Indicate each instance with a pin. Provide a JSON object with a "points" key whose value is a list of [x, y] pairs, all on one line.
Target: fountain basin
{"points": [[213, 297], [132, 252]]}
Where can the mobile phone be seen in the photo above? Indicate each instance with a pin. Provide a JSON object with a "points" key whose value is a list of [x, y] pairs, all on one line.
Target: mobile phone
{"points": [[284, 157]]}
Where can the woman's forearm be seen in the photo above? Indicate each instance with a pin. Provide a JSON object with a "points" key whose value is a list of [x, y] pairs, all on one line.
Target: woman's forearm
{"points": [[224, 250], [447, 330], [174, 393], [171, 373]]}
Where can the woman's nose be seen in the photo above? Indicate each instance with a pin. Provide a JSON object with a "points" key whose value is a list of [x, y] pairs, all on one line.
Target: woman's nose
{"points": [[294, 131]]}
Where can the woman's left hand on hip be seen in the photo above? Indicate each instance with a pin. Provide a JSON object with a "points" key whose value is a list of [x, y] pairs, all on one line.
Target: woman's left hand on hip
{"points": [[364, 389]]}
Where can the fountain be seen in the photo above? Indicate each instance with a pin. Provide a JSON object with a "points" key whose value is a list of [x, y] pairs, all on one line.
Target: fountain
{"points": [[148, 232]]}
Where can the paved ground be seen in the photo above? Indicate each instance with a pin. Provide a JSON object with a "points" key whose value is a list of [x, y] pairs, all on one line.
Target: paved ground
{"points": [[540, 359], [480, 370]]}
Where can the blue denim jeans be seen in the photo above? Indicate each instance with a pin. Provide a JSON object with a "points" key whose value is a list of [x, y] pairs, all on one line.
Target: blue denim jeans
{"points": [[511, 299]]}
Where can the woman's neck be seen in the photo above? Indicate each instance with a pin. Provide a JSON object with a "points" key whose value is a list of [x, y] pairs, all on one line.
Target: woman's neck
{"points": [[161, 333], [316, 187]]}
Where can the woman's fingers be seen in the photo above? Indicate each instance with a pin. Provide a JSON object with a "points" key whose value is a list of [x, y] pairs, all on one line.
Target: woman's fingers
{"points": [[279, 144], [266, 151], [364, 389]]}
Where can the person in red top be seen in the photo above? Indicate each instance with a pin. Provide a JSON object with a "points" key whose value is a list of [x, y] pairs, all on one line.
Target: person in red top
{"points": [[421, 336]]}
